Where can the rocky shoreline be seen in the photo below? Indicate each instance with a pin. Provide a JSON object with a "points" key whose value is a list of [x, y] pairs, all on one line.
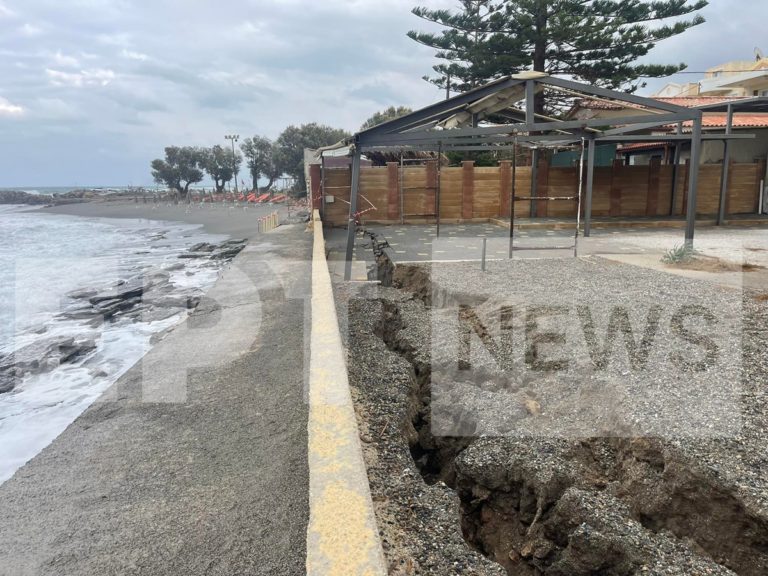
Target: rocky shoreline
{"points": [[22, 198], [146, 297]]}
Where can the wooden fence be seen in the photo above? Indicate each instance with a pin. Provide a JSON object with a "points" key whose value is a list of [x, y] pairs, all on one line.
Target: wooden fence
{"points": [[389, 194]]}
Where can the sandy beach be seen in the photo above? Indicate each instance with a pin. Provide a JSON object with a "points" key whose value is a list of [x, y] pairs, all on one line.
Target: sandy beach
{"points": [[217, 219]]}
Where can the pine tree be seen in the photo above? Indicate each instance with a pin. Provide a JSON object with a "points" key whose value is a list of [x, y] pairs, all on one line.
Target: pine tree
{"points": [[468, 45], [593, 41]]}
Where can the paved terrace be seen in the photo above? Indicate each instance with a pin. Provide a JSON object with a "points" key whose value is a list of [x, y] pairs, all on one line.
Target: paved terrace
{"points": [[740, 244]]}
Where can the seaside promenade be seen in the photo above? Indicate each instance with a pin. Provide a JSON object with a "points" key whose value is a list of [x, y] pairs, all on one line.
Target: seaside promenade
{"points": [[195, 461]]}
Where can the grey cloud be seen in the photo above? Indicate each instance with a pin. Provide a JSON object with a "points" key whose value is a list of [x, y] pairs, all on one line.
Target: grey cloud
{"points": [[189, 71]]}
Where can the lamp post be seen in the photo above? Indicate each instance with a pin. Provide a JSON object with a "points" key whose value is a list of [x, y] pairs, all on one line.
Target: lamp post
{"points": [[234, 138]]}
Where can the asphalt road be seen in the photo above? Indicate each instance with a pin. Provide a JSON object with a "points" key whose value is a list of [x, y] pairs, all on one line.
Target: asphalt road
{"points": [[194, 462]]}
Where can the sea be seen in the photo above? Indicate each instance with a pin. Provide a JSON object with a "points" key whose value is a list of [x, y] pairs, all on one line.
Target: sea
{"points": [[44, 257]]}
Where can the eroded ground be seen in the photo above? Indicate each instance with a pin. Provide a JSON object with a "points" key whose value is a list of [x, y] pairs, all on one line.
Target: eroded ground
{"points": [[563, 417]]}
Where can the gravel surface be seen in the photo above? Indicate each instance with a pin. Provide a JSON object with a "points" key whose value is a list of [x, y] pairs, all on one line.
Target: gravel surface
{"points": [[656, 457], [419, 523]]}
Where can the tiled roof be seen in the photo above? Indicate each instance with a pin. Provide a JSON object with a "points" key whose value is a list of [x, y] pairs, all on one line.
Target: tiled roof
{"points": [[715, 120], [640, 146]]}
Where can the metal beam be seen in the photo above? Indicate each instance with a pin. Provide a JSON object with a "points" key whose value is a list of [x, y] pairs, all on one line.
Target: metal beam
{"points": [[672, 137], [614, 95], [630, 128], [534, 181], [590, 185], [724, 182], [376, 139], [442, 107], [352, 214], [693, 181], [530, 100]]}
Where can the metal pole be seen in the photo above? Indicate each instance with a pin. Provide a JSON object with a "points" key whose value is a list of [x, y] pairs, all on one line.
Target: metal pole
{"points": [[485, 245], [400, 179], [675, 173], [578, 203], [726, 167], [693, 181], [590, 185], [512, 201], [234, 138], [724, 182], [352, 213], [437, 192], [534, 181]]}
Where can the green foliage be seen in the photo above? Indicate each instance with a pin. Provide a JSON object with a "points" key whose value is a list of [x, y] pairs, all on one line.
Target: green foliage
{"points": [[220, 164], [679, 254], [472, 45], [481, 159], [180, 169], [595, 41], [259, 154], [290, 145], [390, 113]]}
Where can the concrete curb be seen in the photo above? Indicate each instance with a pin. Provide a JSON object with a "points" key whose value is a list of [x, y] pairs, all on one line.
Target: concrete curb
{"points": [[342, 537]]}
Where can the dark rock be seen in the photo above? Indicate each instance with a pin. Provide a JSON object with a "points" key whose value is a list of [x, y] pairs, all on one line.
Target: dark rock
{"points": [[79, 313], [191, 255], [128, 289], [227, 253], [203, 247], [82, 293], [7, 382], [116, 306], [43, 355]]}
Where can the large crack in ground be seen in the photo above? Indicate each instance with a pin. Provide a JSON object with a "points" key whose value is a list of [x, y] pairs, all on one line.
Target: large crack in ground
{"points": [[551, 506]]}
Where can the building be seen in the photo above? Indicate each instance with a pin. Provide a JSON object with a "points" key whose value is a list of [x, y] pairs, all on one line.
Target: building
{"points": [[740, 78], [742, 151]]}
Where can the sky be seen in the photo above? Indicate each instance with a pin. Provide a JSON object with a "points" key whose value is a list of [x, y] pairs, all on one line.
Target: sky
{"points": [[92, 90]]}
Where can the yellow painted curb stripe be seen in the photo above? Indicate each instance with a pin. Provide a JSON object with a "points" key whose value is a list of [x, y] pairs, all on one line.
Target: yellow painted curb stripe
{"points": [[342, 537]]}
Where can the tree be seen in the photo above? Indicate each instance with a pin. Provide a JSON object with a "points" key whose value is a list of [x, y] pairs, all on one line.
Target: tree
{"points": [[180, 168], [593, 41], [469, 44], [290, 145], [220, 165], [259, 153], [390, 113]]}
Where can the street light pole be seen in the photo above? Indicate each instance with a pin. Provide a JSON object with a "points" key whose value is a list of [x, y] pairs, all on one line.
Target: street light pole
{"points": [[234, 138]]}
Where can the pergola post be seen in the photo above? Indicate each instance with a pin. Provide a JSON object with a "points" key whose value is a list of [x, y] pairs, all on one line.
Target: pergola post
{"points": [[693, 180], [675, 174], [590, 185], [354, 186], [534, 182], [726, 168]]}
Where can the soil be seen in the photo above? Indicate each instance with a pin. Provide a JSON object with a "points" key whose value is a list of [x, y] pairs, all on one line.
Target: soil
{"points": [[712, 264]]}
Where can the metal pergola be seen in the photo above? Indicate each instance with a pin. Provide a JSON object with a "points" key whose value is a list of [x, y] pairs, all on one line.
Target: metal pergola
{"points": [[460, 123], [753, 105]]}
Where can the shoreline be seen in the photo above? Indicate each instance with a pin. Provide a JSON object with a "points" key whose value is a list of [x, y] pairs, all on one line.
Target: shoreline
{"points": [[104, 326], [238, 222]]}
